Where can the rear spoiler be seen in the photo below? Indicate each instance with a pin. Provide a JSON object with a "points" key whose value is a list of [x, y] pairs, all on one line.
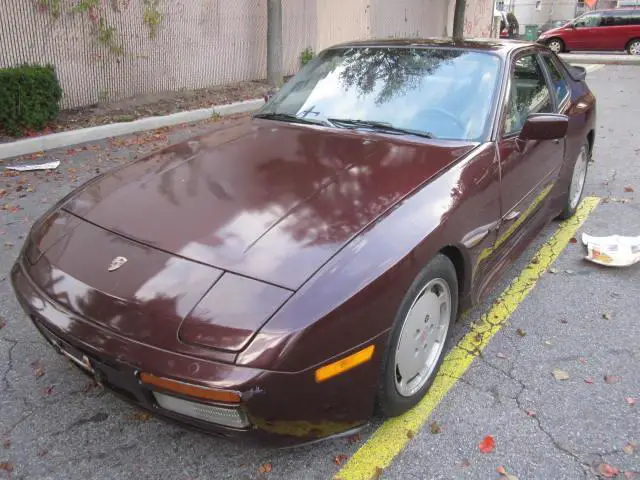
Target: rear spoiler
{"points": [[577, 73]]}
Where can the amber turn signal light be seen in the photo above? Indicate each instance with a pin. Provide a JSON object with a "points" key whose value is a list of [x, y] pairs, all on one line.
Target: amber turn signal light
{"points": [[190, 390], [344, 364]]}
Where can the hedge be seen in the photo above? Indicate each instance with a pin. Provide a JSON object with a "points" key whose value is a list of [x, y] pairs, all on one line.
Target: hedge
{"points": [[29, 96]]}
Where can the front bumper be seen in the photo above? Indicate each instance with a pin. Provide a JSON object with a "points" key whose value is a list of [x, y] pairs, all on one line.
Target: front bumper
{"points": [[282, 409]]}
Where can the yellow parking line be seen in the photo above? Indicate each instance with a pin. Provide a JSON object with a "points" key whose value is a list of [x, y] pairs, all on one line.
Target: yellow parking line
{"points": [[393, 435]]}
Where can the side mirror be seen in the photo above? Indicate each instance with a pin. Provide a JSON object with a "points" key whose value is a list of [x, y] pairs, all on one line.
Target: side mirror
{"points": [[544, 126], [269, 95]]}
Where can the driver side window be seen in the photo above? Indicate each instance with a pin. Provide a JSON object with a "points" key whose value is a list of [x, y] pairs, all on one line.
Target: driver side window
{"points": [[529, 93]]}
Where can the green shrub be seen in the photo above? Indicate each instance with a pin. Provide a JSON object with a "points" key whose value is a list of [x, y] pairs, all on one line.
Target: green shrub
{"points": [[29, 96], [305, 56]]}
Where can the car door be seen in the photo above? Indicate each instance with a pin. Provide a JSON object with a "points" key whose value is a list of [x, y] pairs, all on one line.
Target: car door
{"points": [[528, 168], [614, 30], [586, 33]]}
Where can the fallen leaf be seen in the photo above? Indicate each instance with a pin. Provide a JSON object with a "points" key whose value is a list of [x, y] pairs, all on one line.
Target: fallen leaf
{"points": [[535, 261], [6, 443], [42, 453], [547, 342], [6, 466], [141, 416], [501, 355], [503, 472], [582, 360], [487, 445], [465, 463], [630, 401], [573, 240], [570, 272], [553, 270], [47, 391], [606, 316], [340, 459], [265, 468], [521, 332], [611, 379], [38, 371], [2, 324], [588, 380], [608, 471], [378, 473], [410, 434], [435, 428], [560, 374], [628, 448], [630, 475], [531, 413], [564, 320], [629, 189]]}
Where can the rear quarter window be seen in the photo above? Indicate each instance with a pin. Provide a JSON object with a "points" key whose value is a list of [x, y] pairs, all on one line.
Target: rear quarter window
{"points": [[558, 80]]}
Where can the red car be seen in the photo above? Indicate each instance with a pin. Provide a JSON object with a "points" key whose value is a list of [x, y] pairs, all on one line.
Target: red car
{"points": [[612, 30], [287, 275]]}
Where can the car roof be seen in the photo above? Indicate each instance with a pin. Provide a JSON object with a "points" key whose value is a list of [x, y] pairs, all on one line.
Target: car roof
{"points": [[629, 8], [502, 46]]}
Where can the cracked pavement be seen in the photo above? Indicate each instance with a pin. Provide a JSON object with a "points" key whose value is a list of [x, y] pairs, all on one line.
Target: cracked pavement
{"points": [[55, 423]]}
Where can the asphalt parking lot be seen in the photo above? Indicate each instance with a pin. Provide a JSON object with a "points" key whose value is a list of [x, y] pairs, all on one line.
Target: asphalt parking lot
{"points": [[581, 319]]}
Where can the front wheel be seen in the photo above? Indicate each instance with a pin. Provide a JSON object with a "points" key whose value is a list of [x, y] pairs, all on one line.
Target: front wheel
{"points": [[556, 45], [634, 47], [578, 179], [421, 331]]}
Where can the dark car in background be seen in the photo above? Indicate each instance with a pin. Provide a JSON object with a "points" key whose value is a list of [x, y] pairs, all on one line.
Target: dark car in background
{"points": [[604, 30], [288, 274]]}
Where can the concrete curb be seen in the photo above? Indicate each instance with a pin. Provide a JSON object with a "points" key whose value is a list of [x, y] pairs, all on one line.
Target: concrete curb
{"points": [[83, 135], [576, 59]]}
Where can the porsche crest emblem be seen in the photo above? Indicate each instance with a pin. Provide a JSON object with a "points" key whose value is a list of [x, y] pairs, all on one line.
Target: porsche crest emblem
{"points": [[116, 263]]}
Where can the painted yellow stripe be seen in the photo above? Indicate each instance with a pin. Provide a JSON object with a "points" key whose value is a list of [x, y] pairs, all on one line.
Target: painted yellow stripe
{"points": [[392, 436]]}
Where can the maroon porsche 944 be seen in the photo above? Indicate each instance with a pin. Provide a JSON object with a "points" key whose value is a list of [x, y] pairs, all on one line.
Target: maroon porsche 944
{"points": [[290, 274]]}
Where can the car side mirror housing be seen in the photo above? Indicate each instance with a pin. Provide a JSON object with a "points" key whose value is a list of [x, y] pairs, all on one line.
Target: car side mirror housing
{"points": [[544, 126]]}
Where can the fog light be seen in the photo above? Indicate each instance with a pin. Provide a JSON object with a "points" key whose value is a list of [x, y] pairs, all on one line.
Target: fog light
{"points": [[229, 417]]}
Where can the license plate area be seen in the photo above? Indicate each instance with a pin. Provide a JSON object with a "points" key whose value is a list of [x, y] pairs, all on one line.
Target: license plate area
{"points": [[68, 350]]}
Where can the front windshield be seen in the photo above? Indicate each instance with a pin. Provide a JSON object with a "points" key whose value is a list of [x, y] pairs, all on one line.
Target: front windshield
{"points": [[445, 92]]}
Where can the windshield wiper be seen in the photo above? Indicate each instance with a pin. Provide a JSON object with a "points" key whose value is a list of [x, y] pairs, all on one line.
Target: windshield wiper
{"points": [[287, 117], [380, 126]]}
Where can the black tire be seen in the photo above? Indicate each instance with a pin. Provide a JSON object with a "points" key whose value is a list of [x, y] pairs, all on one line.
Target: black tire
{"points": [[559, 42], [390, 402], [569, 210], [633, 47]]}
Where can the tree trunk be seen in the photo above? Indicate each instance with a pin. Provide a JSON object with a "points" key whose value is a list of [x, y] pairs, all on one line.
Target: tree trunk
{"points": [[274, 42], [458, 19]]}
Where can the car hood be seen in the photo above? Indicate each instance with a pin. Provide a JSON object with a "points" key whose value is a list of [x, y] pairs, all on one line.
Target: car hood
{"points": [[262, 199], [552, 31]]}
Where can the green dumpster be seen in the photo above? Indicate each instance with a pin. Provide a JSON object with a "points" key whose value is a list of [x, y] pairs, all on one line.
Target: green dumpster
{"points": [[531, 33]]}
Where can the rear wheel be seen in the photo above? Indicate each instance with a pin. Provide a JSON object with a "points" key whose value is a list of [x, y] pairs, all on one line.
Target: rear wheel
{"points": [[634, 47], [420, 334], [578, 179], [555, 45]]}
